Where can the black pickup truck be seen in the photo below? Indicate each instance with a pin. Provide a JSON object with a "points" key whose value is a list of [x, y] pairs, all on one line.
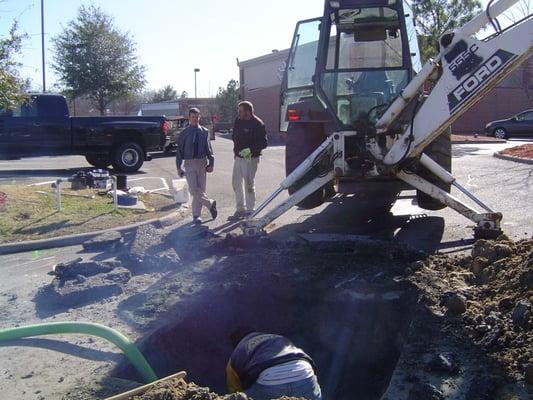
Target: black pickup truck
{"points": [[41, 126]]}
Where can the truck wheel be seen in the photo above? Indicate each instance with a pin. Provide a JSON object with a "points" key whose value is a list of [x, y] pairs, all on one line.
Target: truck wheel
{"points": [[441, 152], [302, 140], [98, 160], [128, 157]]}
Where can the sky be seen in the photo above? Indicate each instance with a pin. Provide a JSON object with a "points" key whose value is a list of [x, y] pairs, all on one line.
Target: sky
{"points": [[173, 36]]}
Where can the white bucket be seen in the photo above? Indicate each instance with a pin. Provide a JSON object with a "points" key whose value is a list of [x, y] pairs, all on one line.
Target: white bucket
{"points": [[180, 190]]}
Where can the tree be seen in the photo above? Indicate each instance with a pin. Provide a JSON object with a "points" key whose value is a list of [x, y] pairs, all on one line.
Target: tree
{"points": [[95, 59], [434, 17], [167, 93], [11, 85], [227, 100]]}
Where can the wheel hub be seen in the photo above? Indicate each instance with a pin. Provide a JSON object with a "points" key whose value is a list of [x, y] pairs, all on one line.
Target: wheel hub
{"points": [[130, 157]]}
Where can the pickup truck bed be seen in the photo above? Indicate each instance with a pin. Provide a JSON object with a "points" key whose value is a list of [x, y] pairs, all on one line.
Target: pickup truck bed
{"points": [[42, 127]]}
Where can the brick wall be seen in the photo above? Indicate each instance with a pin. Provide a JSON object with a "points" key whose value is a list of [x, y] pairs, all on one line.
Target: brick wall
{"points": [[513, 95]]}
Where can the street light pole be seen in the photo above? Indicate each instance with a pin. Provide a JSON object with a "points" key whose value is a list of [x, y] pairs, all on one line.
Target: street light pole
{"points": [[42, 44], [195, 71]]}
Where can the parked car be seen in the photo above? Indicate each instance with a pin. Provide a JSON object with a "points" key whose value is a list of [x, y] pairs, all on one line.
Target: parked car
{"points": [[41, 126], [519, 125]]}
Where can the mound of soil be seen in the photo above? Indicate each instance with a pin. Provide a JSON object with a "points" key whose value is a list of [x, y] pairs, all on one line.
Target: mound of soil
{"points": [[499, 311], [178, 389], [486, 298]]}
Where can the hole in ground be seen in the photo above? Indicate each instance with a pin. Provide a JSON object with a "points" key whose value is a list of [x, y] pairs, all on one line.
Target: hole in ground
{"points": [[352, 329]]}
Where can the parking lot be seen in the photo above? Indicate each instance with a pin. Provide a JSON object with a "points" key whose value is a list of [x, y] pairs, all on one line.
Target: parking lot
{"points": [[503, 185]]}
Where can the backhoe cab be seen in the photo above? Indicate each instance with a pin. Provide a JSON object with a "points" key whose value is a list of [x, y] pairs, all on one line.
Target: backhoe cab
{"points": [[366, 52], [343, 71]]}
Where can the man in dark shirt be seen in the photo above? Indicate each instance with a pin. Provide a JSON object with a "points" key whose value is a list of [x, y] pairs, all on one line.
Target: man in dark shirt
{"points": [[195, 152], [249, 138], [267, 366]]}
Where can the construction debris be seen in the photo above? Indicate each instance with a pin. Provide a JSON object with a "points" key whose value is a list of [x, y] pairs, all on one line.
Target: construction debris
{"points": [[77, 283]]}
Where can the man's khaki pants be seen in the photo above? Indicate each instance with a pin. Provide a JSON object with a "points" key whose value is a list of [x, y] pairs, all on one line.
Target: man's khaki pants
{"points": [[244, 173], [196, 178]]}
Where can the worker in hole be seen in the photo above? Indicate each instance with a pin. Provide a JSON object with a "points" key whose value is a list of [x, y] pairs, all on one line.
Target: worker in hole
{"points": [[267, 366]]}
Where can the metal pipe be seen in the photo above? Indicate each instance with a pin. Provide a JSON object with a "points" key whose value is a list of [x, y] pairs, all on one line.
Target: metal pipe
{"points": [[437, 169], [42, 44], [481, 20], [267, 202], [195, 71], [472, 197], [300, 171], [115, 199], [58, 194], [411, 90]]}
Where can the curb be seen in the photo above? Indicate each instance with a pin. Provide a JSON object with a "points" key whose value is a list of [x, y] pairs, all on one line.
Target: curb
{"points": [[71, 240], [477, 141], [515, 159]]}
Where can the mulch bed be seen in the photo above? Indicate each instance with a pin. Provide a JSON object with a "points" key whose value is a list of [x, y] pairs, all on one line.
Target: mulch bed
{"points": [[523, 151]]}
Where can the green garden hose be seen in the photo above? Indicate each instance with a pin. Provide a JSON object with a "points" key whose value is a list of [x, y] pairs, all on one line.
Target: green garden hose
{"points": [[118, 339]]}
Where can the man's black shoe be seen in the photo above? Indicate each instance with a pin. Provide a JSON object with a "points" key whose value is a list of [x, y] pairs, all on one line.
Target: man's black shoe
{"points": [[213, 210]]}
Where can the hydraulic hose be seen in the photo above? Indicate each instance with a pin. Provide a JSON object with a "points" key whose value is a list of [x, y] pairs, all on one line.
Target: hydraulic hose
{"points": [[118, 339]]}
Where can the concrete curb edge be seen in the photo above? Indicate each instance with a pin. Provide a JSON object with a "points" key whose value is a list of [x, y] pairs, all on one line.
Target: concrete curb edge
{"points": [[515, 159], [71, 240]]}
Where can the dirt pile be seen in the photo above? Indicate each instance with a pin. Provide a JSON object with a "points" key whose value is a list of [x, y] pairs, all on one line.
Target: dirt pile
{"points": [[486, 298], [178, 389], [79, 283]]}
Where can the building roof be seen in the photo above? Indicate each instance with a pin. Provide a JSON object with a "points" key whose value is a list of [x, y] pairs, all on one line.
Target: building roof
{"points": [[275, 55]]}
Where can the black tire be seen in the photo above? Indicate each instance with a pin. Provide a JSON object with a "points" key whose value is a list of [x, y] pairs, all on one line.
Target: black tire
{"points": [[441, 152], [302, 140], [377, 202], [169, 150], [98, 160], [128, 157], [500, 133]]}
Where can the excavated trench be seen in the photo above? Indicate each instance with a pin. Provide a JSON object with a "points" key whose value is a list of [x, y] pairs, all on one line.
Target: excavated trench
{"points": [[343, 309]]}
